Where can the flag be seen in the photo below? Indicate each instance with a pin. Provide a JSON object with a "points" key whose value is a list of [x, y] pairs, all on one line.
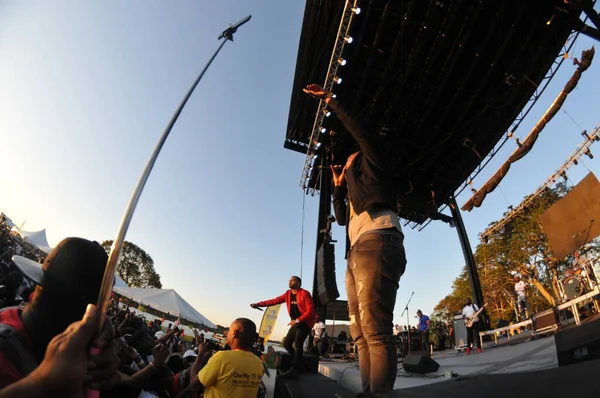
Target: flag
{"points": [[268, 322]]}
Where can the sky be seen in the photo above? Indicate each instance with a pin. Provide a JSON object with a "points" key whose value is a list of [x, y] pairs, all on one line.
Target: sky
{"points": [[86, 89]]}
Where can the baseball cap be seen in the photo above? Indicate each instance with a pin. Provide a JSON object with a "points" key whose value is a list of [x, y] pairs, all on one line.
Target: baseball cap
{"points": [[189, 353], [75, 266]]}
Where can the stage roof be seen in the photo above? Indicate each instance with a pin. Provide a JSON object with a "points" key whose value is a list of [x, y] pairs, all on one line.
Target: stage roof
{"points": [[436, 83]]}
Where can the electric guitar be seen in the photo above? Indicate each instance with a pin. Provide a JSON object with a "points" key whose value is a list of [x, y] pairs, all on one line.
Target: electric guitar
{"points": [[469, 321]]}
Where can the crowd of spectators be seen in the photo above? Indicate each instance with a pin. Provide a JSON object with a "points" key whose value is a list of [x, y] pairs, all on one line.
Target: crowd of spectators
{"points": [[137, 358]]}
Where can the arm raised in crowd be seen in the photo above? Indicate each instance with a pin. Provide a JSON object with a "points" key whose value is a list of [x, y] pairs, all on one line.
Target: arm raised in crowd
{"points": [[63, 372]]}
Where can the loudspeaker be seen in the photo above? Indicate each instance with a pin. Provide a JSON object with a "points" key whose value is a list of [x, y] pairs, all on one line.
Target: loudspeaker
{"points": [[578, 344], [309, 363], [569, 223], [422, 364], [326, 284]]}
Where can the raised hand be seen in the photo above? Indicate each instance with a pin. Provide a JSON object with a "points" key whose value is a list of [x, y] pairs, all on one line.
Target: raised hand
{"points": [[316, 91]]}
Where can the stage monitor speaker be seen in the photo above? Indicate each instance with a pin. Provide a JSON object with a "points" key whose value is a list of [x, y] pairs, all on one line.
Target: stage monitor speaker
{"points": [[545, 319], [578, 343], [422, 364], [326, 283], [309, 364], [569, 223]]}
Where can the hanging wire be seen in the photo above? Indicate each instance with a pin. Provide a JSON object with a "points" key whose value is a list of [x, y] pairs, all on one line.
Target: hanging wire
{"points": [[584, 165], [503, 194], [573, 120], [302, 233]]}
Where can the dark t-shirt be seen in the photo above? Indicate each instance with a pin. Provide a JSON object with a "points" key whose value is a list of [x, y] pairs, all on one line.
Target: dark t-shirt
{"points": [[294, 311]]}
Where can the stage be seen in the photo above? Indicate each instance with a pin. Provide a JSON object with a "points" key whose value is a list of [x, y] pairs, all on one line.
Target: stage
{"points": [[524, 365], [517, 357]]}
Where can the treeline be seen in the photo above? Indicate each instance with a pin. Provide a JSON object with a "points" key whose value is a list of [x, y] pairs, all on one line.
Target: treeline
{"points": [[518, 247]]}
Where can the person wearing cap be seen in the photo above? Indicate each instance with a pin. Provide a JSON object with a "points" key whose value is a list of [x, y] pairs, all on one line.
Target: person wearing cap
{"points": [[68, 281], [189, 357], [364, 200], [302, 313]]}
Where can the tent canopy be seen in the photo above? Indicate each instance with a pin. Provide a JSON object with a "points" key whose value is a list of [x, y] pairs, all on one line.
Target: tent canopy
{"points": [[119, 282], [165, 300], [36, 238]]}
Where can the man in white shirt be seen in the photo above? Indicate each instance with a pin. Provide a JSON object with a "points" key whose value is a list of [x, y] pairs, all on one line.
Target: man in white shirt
{"points": [[472, 332], [521, 292], [318, 333], [397, 330]]}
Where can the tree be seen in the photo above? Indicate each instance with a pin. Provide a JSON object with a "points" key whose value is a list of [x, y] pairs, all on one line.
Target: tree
{"points": [[135, 266], [520, 246]]}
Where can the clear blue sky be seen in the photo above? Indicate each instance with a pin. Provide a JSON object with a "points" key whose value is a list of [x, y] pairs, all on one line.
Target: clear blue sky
{"points": [[86, 88]]}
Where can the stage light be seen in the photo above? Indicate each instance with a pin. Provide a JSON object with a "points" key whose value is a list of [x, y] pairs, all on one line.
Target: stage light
{"points": [[337, 79], [575, 162], [589, 154], [564, 176], [326, 113], [342, 61], [316, 156], [333, 95], [318, 145], [348, 39], [322, 129], [356, 10]]}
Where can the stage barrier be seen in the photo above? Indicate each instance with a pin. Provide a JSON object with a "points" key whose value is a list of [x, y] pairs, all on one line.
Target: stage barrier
{"points": [[529, 324]]}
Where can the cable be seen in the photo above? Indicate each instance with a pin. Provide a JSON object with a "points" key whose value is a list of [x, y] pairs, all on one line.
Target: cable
{"points": [[573, 120], [503, 194], [584, 165], [302, 233]]}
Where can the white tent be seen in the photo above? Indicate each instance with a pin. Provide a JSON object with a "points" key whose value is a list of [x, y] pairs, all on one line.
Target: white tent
{"points": [[165, 300], [119, 282], [36, 238]]}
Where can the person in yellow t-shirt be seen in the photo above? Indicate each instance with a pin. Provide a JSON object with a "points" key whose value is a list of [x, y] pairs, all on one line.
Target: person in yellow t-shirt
{"points": [[236, 373]]}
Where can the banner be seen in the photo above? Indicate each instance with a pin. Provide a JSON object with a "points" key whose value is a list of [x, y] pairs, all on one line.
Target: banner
{"points": [[268, 322]]}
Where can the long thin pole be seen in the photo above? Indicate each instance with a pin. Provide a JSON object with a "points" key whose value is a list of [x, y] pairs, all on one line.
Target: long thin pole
{"points": [[115, 251], [408, 319]]}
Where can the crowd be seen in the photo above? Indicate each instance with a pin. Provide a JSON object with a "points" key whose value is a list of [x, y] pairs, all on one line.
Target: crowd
{"points": [[50, 334], [45, 337]]}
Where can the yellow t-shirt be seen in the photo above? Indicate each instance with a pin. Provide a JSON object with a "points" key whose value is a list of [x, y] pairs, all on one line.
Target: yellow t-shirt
{"points": [[232, 374]]}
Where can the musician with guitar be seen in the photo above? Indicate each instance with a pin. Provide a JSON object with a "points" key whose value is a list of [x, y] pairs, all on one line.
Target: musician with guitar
{"points": [[470, 314]]}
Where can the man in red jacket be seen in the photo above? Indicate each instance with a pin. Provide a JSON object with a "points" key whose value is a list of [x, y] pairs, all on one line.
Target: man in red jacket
{"points": [[302, 312]]}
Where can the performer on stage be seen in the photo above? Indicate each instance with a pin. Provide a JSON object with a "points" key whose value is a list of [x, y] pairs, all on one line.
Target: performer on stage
{"points": [[521, 292], [318, 331], [472, 332], [364, 200], [302, 313], [586, 270], [424, 326]]}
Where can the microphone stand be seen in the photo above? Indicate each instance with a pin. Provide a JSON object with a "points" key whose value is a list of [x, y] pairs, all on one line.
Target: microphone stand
{"points": [[408, 320]]}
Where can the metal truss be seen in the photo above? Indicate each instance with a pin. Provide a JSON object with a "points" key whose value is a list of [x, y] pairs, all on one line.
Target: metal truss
{"points": [[524, 112], [332, 70], [583, 148]]}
